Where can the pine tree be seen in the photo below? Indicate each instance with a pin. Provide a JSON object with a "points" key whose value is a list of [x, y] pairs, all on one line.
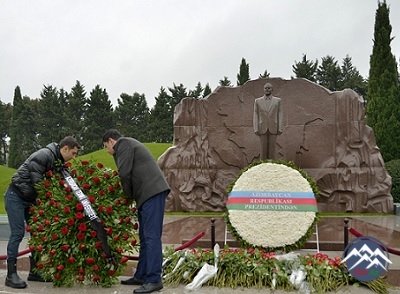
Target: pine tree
{"points": [[161, 118], [177, 94], [196, 93], [5, 117], [22, 130], [75, 111], [207, 90], [132, 116], [50, 116], [15, 136], [351, 77], [243, 76], [305, 69], [264, 75], [63, 101], [98, 118], [383, 110], [225, 82], [329, 73]]}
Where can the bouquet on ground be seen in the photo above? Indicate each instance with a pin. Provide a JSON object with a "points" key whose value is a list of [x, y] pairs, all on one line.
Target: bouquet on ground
{"points": [[61, 234], [261, 269]]}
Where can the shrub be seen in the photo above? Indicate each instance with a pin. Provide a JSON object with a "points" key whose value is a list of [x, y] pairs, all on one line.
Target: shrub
{"points": [[393, 168]]}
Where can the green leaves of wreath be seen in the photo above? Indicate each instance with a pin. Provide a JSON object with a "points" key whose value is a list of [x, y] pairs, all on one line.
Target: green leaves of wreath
{"points": [[70, 251]]}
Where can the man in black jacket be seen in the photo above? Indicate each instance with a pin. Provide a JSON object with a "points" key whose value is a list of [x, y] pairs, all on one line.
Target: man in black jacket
{"points": [[21, 194], [143, 181]]}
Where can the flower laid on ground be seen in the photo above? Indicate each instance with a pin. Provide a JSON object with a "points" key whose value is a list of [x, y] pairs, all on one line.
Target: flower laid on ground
{"points": [[257, 268], [70, 251], [272, 205]]}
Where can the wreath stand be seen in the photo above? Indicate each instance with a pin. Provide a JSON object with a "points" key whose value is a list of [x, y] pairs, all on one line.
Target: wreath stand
{"points": [[316, 237]]}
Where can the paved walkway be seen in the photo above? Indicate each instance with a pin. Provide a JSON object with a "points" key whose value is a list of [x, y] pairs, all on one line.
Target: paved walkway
{"points": [[36, 287], [178, 228]]}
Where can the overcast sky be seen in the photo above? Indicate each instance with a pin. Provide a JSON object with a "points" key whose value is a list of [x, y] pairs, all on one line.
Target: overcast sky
{"points": [[129, 46]]}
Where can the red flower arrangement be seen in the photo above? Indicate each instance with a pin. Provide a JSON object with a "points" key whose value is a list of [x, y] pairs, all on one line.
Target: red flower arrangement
{"points": [[70, 250], [258, 268]]}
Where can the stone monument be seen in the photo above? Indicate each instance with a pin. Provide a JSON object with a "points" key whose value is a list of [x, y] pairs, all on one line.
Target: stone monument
{"points": [[324, 134]]}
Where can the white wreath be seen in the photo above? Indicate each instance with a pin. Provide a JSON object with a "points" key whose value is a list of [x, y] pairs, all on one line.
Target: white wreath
{"points": [[271, 228]]}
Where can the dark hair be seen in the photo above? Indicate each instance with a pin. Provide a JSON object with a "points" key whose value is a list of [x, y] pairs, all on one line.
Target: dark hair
{"points": [[111, 134], [71, 142]]}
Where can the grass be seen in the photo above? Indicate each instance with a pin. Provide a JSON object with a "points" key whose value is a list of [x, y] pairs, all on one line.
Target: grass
{"points": [[6, 174], [157, 149], [98, 156]]}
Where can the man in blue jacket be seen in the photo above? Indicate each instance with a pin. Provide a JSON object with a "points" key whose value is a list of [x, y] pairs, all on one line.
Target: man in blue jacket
{"points": [[21, 194], [143, 181]]}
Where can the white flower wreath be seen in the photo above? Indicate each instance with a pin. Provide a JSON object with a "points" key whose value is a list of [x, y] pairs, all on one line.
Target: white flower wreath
{"points": [[272, 205]]}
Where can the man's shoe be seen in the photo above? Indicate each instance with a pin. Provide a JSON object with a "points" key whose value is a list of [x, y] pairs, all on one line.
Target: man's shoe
{"points": [[149, 287], [33, 274], [132, 281], [14, 281], [36, 277]]}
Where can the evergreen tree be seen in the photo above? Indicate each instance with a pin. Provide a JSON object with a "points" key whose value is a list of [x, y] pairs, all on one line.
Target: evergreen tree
{"points": [[167, 115], [75, 111], [2, 134], [243, 76], [382, 111], [305, 69], [161, 119], [15, 136], [132, 116], [22, 130], [5, 119], [63, 101], [225, 82], [264, 75], [207, 90], [196, 93], [177, 94], [351, 77], [99, 118], [329, 73], [50, 116]]}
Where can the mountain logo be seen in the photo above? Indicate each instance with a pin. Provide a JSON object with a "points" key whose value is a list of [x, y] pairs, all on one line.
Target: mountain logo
{"points": [[366, 258]]}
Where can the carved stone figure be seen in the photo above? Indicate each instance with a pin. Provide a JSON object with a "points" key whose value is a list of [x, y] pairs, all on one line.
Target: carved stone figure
{"points": [[267, 122], [324, 133]]}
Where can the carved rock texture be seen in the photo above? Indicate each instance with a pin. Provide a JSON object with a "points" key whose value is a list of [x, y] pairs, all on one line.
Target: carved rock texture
{"points": [[324, 133]]}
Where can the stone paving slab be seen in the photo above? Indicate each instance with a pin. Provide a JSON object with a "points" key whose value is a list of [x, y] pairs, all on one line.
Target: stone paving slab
{"points": [[37, 287], [176, 228]]}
